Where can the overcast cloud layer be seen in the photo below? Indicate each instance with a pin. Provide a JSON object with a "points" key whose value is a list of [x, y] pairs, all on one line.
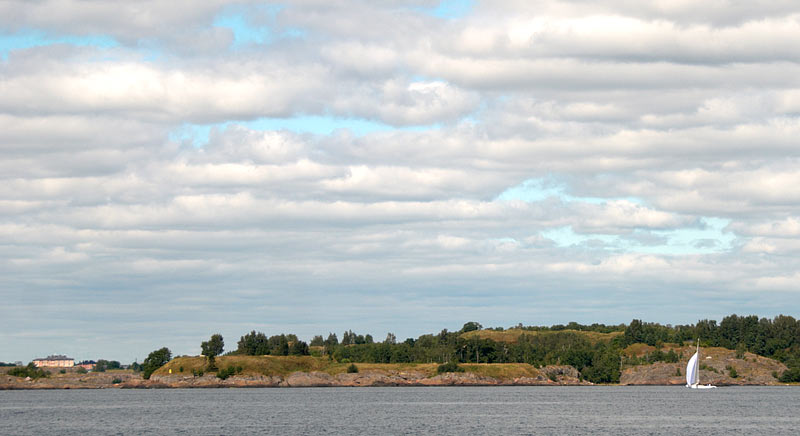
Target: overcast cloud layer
{"points": [[175, 169]]}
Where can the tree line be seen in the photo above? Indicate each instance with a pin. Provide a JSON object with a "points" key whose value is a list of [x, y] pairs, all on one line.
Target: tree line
{"points": [[598, 362]]}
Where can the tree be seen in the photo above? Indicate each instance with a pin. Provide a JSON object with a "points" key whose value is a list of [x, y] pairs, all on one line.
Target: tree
{"points": [[390, 339], [212, 348], [299, 348], [253, 344], [155, 360], [317, 341], [471, 326]]}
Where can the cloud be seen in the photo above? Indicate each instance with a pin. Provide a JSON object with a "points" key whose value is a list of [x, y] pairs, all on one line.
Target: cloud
{"points": [[637, 160]]}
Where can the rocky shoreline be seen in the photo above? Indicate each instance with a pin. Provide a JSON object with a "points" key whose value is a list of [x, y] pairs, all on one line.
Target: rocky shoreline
{"points": [[550, 376]]}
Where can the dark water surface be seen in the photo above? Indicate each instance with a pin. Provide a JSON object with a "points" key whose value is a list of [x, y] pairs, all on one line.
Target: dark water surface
{"points": [[612, 410]]}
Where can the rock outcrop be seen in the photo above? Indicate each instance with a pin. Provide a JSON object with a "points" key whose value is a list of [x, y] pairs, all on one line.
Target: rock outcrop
{"points": [[715, 368]]}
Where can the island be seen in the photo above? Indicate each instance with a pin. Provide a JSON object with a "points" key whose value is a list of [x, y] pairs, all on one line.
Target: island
{"points": [[737, 351]]}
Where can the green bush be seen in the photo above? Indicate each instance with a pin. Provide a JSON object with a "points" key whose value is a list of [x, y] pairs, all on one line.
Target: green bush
{"points": [[732, 371], [352, 369], [81, 370], [225, 373], [180, 369], [449, 367], [791, 375], [116, 380], [63, 371], [28, 371]]}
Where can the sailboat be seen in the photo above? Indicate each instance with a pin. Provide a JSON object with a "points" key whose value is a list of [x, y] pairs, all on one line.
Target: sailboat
{"points": [[693, 372]]}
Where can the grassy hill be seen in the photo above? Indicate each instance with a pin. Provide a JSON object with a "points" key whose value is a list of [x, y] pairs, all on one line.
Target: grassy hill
{"points": [[286, 365], [512, 335]]}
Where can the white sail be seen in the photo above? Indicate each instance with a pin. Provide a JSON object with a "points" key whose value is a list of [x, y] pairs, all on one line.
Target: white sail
{"points": [[691, 370]]}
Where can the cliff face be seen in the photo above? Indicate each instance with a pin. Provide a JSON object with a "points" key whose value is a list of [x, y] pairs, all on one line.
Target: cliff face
{"points": [[715, 368]]}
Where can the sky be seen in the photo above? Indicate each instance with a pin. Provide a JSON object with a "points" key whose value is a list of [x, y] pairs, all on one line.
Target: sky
{"points": [[174, 169]]}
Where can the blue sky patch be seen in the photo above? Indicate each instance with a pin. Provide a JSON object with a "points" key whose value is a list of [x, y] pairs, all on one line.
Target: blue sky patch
{"points": [[36, 38], [533, 190], [198, 134], [451, 9], [710, 237]]}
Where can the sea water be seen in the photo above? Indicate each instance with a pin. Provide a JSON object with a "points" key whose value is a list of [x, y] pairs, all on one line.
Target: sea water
{"points": [[585, 410]]}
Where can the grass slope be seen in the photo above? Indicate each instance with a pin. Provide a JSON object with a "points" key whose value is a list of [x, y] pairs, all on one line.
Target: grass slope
{"points": [[285, 365], [512, 335]]}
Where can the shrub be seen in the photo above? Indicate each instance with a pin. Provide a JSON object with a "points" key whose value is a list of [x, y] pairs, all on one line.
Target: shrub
{"points": [[678, 372], [732, 371], [225, 373], [28, 371], [449, 367], [791, 375], [116, 380], [775, 374], [81, 370], [180, 369], [63, 371], [352, 369]]}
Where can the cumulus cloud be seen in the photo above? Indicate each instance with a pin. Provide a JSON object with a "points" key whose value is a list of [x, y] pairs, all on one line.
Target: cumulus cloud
{"points": [[138, 176]]}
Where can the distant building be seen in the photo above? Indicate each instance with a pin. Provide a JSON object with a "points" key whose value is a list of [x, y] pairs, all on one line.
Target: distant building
{"points": [[87, 364], [18, 363], [59, 361]]}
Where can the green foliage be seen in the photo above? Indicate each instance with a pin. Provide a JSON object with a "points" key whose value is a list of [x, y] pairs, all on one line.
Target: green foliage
{"points": [[81, 370], [63, 371], [155, 360], [102, 365], [449, 367], [116, 380], [352, 369], [28, 371], [180, 369], [791, 375], [213, 347], [317, 341], [471, 326], [732, 371], [678, 372], [225, 373], [299, 348], [253, 344]]}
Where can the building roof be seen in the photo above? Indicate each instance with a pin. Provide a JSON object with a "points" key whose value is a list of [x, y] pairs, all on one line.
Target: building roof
{"points": [[54, 357]]}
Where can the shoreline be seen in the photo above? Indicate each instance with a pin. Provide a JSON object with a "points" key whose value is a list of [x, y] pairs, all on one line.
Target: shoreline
{"points": [[313, 379]]}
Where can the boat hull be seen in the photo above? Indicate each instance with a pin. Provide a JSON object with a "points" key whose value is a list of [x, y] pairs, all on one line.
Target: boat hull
{"points": [[702, 386]]}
